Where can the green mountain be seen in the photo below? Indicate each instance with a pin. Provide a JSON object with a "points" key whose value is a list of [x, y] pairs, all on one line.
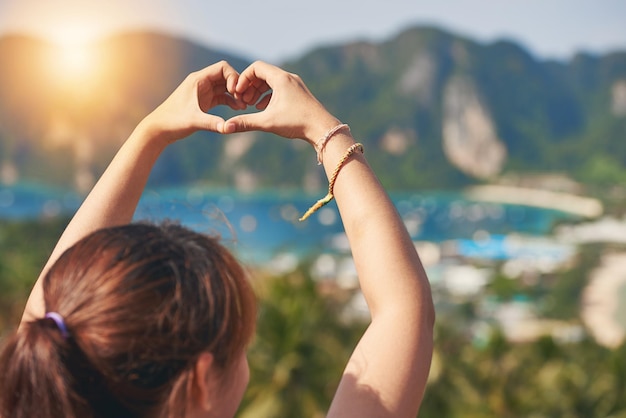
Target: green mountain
{"points": [[434, 110], [479, 109]]}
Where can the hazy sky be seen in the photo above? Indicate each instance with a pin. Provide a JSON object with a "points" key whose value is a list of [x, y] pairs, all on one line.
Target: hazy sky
{"points": [[274, 30]]}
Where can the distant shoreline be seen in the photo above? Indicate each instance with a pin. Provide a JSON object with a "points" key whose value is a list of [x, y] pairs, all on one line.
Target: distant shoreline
{"points": [[565, 202]]}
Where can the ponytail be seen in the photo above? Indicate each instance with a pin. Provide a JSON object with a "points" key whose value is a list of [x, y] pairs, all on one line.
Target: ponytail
{"points": [[34, 381]]}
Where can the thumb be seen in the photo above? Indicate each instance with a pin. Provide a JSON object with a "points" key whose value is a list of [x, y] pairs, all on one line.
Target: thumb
{"points": [[244, 123], [210, 122]]}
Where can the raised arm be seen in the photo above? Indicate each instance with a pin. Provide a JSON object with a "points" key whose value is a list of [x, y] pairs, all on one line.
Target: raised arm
{"points": [[114, 198], [387, 373]]}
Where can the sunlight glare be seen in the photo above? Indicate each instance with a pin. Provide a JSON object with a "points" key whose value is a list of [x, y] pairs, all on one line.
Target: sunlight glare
{"points": [[74, 68], [74, 59]]}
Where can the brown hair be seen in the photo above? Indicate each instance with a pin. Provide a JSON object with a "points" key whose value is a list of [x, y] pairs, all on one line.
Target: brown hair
{"points": [[141, 302]]}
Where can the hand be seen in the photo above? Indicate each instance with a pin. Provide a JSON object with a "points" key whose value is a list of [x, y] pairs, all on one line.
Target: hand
{"points": [[184, 111], [287, 106]]}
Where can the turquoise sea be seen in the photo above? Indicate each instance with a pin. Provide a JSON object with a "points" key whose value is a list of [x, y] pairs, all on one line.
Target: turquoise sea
{"points": [[262, 225]]}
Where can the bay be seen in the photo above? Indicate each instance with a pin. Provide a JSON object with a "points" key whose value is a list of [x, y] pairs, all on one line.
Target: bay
{"points": [[262, 225]]}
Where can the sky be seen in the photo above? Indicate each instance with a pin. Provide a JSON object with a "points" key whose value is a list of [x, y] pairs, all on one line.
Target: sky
{"points": [[276, 30]]}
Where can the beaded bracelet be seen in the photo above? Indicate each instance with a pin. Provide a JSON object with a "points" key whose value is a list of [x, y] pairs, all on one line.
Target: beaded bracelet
{"points": [[331, 185], [321, 144]]}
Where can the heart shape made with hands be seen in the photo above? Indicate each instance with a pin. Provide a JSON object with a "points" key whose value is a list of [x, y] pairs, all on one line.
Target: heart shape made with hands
{"points": [[284, 104], [221, 84]]}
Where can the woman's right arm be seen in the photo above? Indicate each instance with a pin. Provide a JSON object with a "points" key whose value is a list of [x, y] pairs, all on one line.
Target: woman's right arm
{"points": [[387, 372], [114, 198]]}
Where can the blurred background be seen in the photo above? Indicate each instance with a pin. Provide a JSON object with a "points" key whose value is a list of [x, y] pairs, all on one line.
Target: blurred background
{"points": [[499, 130]]}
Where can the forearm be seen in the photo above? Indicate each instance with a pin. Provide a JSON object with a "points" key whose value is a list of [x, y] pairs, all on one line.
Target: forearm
{"points": [[379, 241], [393, 357], [114, 198], [111, 202]]}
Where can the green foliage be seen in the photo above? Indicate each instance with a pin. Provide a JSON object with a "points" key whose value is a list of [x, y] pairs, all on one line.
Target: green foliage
{"points": [[539, 379], [603, 170], [505, 288], [300, 349], [24, 249], [565, 292]]}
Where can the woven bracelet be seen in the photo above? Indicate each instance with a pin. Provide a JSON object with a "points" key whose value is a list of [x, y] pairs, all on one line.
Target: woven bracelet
{"points": [[331, 185], [321, 144]]}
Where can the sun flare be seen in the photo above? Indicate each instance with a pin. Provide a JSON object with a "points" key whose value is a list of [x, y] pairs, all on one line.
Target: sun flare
{"points": [[75, 61]]}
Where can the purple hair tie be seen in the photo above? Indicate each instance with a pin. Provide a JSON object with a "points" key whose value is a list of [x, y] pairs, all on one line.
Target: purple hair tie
{"points": [[58, 319]]}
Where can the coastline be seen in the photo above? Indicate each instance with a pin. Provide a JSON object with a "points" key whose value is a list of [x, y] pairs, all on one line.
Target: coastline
{"points": [[586, 207]]}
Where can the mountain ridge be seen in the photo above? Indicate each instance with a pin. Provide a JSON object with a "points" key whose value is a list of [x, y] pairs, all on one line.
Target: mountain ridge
{"points": [[434, 110]]}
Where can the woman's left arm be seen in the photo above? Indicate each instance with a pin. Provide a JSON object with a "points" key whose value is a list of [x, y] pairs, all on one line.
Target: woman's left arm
{"points": [[114, 198]]}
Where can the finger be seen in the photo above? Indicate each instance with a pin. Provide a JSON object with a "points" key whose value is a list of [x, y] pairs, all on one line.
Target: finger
{"points": [[215, 80], [260, 70], [231, 76], [264, 102], [208, 122], [254, 93], [224, 100], [254, 90], [245, 123], [245, 80], [232, 102], [258, 73], [220, 71]]}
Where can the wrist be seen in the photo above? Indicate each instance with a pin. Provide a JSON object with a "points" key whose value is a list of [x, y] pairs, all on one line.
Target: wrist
{"points": [[318, 131], [320, 122], [320, 145], [336, 148], [150, 135]]}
